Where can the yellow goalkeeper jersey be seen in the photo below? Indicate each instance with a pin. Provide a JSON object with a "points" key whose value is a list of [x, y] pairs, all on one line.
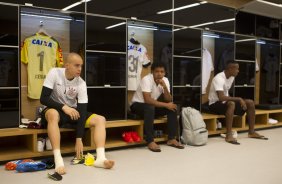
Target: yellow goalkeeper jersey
{"points": [[41, 53]]}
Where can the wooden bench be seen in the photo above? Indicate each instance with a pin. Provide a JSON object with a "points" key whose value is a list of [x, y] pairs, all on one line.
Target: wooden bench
{"points": [[239, 124], [19, 143]]}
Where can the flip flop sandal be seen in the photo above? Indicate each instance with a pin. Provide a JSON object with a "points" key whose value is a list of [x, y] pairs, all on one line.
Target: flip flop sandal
{"points": [[260, 137], [233, 142], [155, 149], [178, 146], [56, 176]]}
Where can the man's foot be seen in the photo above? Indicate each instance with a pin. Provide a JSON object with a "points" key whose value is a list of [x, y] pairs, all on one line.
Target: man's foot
{"points": [[61, 170], [174, 143], [108, 164], [154, 147], [231, 140], [256, 135]]}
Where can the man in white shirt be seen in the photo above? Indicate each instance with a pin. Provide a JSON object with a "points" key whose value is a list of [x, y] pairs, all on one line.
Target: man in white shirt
{"points": [[145, 103], [64, 93], [221, 103]]}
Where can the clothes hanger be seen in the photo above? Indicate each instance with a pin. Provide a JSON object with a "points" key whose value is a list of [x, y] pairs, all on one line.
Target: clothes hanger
{"points": [[132, 39], [41, 30]]}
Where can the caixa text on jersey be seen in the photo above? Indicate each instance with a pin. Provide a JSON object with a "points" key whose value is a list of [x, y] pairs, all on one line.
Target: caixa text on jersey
{"points": [[40, 76]]}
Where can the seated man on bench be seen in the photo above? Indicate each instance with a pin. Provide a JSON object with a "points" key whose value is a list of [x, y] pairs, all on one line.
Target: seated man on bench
{"points": [[145, 104], [64, 93], [221, 103]]}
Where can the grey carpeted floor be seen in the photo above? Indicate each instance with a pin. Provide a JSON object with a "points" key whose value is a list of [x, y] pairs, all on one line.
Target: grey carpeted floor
{"points": [[252, 162]]}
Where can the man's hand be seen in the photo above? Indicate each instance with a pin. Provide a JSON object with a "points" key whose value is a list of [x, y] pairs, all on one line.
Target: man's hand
{"points": [[78, 148], [73, 113], [243, 104], [161, 82], [171, 106]]}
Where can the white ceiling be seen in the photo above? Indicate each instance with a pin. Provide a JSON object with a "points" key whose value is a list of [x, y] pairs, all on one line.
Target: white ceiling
{"points": [[261, 8]]}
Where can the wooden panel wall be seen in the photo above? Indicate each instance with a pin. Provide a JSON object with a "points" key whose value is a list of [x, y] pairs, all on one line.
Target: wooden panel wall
{"points": [[59, 29]]}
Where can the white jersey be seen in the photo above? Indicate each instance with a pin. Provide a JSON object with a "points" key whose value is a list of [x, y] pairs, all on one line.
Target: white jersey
{"points": [[207, 68], [137, 58], [148, 85], [219, 83], [66, 91]]}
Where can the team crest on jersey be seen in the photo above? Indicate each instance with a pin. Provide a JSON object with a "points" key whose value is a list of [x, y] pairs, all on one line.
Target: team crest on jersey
{"points": [[71, 93], [133, 47], [41, 42]]}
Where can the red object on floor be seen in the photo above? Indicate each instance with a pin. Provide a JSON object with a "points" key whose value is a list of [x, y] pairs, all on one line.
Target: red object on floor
{"points": [[13, 164], [127, 137], [135, 137]]}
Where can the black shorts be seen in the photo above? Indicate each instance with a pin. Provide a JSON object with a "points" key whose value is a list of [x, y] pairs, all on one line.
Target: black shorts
{"points": [[65, 120], [220, 108]]}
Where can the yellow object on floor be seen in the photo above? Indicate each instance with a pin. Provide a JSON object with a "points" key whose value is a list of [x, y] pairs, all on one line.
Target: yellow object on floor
{"points": [[89, 159]]}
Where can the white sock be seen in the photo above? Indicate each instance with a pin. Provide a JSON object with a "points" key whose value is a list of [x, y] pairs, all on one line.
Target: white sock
{"points": [[58, 158], [101, 157]]}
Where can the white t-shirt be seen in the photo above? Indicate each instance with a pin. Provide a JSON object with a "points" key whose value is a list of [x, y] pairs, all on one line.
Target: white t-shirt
{"points": [[219, 83], [148, 84], [137, 58], [207, 68], [66, 91]]}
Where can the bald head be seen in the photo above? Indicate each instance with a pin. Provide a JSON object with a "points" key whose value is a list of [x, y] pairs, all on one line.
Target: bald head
{"points": [[71, 57], [73, 65]]}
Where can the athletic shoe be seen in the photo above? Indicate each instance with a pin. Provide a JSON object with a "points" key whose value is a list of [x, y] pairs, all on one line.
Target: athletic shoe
{"points": [[31, 166], [135, 137], [12, 165], [48, 144], [127, 137], [158, 133], [272, 121], [40, 144], [75, 160]]}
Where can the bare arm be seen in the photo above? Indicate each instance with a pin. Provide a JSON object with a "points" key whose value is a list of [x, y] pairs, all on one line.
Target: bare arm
{"points": [[222, 97], [149, 100], [167, 95]]}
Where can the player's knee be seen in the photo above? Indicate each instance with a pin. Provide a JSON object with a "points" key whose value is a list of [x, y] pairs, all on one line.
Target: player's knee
{"points": [[52, 115]]}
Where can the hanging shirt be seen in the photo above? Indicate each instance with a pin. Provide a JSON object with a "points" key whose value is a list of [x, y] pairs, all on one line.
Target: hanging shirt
{"points": [[207, 68], [41, 53], [137, 58]]}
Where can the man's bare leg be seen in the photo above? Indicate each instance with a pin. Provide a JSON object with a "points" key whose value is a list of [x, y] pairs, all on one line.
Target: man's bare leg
{"points": [[52, 117], [99, 122]]}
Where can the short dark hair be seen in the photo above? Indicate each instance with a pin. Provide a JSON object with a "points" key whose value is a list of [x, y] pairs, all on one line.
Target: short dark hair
{"points": [[230, 62], [158, 64]]}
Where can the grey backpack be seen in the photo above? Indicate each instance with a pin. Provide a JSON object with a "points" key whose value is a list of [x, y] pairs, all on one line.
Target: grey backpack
{"points": [[194, 128]]}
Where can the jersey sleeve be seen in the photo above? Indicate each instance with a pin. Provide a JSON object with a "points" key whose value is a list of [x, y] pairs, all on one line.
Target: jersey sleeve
{"points": [[59, 56], [50, 79], [24, 52], [145, 57], [82, 96]]}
